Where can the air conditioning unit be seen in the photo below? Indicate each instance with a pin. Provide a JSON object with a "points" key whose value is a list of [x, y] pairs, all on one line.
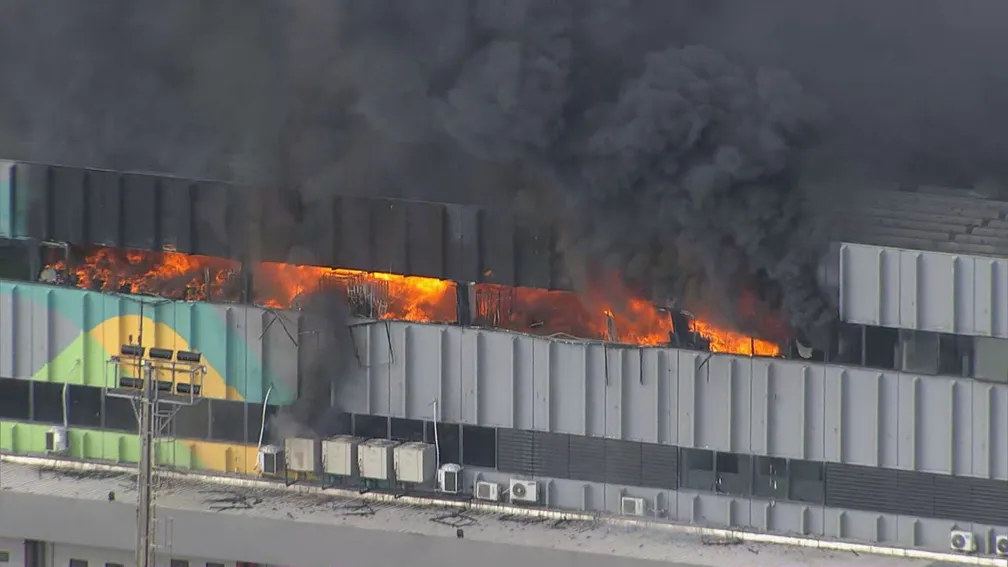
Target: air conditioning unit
{"points": [[415, 463], [449, 478], [57, 440], [526, 491], [489, 491], [633, 506], [964, 542], [339, 455], [375, 459], [1001, 545], [303, 455], [271, 460]]}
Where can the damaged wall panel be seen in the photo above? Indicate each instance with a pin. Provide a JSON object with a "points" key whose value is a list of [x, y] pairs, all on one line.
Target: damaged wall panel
{"points": [[446, 241]]}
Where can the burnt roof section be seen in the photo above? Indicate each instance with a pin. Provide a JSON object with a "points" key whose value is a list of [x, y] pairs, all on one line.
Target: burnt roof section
{"points": [[148, 212], [924, 218]]}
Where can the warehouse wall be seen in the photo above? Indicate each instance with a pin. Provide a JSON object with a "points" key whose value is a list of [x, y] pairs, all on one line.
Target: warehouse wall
{"points": [[679, 397], [58, 334], [924, 291]]}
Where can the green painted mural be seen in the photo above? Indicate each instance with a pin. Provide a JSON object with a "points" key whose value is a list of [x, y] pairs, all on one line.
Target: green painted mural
{"points": [[57, 334], [93, 445]]}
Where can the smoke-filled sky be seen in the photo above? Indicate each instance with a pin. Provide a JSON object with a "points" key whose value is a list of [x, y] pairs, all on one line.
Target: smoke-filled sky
{"points": [[678, 141]]}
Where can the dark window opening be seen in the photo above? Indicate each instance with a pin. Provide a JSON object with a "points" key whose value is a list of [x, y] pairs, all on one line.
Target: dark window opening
{"points": [[84, 406], [848, 348], [727, 463], [47, 402], [254, 422], [696, 469], [880, 347], [179, 563], [807, 482], [212, 564], [447, 438], [479, 446], [120, 415], [192, 422], [15, 399], [15, 263], [113, 565], [78, 563], [371, 426], [406, 429], [734, 474], [227, 420], [770, 478], [4, 556]]}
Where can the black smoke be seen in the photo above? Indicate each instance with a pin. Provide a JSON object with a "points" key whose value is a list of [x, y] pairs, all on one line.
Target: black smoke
{"points": [[684, 145]]}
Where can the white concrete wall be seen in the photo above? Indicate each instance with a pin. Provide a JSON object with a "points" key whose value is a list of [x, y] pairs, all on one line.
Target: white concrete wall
{"points": [[14, 548]]}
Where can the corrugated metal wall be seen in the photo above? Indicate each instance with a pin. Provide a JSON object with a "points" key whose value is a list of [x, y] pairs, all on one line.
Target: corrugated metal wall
{"points": [[457, 242], [66, 335], [925, 291], [668, 396]]}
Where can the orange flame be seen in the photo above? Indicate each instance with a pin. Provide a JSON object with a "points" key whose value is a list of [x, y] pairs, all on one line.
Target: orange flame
{"points": [[592, 315]]}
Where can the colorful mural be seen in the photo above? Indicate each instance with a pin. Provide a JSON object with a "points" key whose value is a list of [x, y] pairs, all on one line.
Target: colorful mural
{"points": [[93, 445], [57, 334]]}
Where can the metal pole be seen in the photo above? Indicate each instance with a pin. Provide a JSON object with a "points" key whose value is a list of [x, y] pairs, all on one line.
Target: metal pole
{"points": [[145, 474]]}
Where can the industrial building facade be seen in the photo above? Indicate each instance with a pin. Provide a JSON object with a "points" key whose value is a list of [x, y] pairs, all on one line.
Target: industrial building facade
{"points": [[894, 440]]}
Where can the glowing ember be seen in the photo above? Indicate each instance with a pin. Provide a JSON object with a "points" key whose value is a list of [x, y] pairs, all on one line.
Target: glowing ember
{"points": [[592, 315]]}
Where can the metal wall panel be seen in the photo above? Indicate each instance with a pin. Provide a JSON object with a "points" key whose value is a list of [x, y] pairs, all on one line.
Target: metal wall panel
{"points": [[667, 396], [550, 454], [446, 241], [623, 462], [587, 459], [514, 451], [925, 291], [57, 334]]}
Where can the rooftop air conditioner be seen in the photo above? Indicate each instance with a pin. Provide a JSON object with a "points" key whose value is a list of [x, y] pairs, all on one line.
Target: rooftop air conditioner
{"points": [[449, 478], [964, 542], [415, 463], [633, 506], [525, 491], [489, 491], [271, 459], [303, 455], [340, 455], [1001, 545], [375, 459], [57, 440]]}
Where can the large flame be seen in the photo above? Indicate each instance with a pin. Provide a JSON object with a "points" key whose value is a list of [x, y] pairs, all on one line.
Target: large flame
{"points": [[591, 315]]}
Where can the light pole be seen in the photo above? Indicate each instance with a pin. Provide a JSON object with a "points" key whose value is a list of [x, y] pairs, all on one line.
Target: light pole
{"points": [[155, 403]]}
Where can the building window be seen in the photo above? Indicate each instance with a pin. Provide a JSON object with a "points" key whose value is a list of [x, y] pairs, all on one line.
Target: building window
{"points": [[4, 556], [447, 439], [371, 426], [406, 429], [179, 563], [113, 565], [770, 477], [733, 474], [120, 415], [807, 481], [192, 422], [479, 446], [211, 564], [696, 469], [47, 402], [78, 563], [84, 406], [227, 420], [15, 399]]}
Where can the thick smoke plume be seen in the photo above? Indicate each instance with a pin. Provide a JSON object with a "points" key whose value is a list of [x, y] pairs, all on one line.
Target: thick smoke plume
{"points": [[681, 144], [326, 359]]}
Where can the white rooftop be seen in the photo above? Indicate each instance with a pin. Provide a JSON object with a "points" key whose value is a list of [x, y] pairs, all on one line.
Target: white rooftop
{"points": [[614, 544]]}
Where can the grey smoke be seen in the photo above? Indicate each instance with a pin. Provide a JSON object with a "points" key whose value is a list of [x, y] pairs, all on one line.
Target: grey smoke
{"points": [[326, 361], [678, 142]]}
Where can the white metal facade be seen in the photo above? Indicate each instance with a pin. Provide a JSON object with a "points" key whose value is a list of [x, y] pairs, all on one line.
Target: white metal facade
{"points": [[924, 291], [680, 397]]}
